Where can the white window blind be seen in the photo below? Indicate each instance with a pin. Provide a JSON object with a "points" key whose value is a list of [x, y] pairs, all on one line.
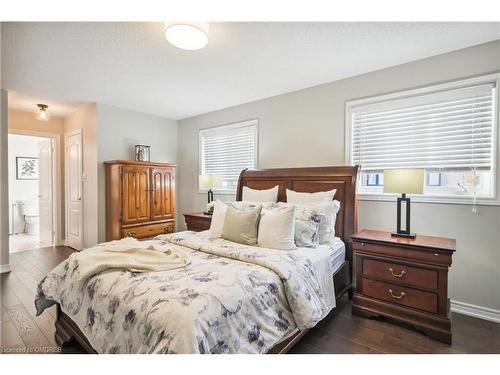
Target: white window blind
{"points": [[442, 130], [227, 150]]}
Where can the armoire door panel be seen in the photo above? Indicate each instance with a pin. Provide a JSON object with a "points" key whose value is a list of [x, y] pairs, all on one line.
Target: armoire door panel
{"points": [[135, 194], [162, 182]]}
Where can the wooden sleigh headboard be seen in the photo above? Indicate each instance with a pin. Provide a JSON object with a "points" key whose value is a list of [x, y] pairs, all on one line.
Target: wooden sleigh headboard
{"points": [[311, 180]]}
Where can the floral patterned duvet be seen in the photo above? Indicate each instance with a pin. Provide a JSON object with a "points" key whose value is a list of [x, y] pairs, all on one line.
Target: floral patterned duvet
{"points": [[231, 298]]}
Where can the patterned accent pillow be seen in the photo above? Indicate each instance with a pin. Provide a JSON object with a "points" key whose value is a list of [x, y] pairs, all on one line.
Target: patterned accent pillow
{"points": [[327, 225], [307, 223]]}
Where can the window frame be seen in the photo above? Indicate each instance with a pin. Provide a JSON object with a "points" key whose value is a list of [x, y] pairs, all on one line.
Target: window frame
{"points": [[232, 125], [430, 89]]}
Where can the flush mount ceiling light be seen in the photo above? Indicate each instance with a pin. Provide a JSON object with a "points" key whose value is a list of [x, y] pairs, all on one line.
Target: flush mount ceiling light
{"points": [[188, 36], [41, 113]]}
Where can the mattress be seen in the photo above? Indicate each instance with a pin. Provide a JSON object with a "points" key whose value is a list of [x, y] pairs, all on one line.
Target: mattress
{"points": [[335, 255]]}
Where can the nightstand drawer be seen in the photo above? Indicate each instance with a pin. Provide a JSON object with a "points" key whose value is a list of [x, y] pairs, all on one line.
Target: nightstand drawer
{"points": [[197, 225], [400, 273], [425, 256], [198, 221], [400, 295]]}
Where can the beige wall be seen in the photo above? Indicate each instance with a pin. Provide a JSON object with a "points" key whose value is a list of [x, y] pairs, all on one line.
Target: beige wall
{"points": [[306, 128], [85, 118], [24, 122], [118, 131], [4, 187]]}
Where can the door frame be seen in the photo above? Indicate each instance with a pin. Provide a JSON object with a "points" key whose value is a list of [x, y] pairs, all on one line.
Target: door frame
{"points": [[66, 187], [57, 207]]}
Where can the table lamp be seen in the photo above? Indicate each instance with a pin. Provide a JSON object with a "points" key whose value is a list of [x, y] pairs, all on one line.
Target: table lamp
{"points": [[404, 181], [209, 182]]}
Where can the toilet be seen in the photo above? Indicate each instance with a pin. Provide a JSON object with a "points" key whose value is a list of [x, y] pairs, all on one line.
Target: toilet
{"points": [[30, 211]]}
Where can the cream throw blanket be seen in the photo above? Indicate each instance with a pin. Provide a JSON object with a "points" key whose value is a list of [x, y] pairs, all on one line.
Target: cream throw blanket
{"points": [[129, 254]]}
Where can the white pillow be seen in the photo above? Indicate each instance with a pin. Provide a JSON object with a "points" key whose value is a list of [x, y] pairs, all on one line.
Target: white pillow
{"points": [[219, 214], [253, 195], [307, 198], [277, 228]]}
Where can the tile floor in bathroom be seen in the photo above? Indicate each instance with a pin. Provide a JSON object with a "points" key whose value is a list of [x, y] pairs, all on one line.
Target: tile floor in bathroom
{"points": [[24, 241]]}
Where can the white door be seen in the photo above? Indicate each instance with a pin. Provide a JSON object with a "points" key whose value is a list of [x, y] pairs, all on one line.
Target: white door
{"points": [[45, 179], [73, 176]]}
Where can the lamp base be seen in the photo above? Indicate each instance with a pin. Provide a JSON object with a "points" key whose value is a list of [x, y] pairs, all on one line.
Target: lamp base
{"points": [[208, 213], [404, 235]]}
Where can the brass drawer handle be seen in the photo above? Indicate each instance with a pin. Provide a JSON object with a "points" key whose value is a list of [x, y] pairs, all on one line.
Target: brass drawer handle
{"points": [[401, 295], [167, 228], [131, 234], [401, 274]]}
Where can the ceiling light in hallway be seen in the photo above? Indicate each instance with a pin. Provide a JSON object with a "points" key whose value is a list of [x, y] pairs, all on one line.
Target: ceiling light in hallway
{"points": [[41, 113]]}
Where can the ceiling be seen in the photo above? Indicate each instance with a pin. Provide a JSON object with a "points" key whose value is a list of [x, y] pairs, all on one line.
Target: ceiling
{"points": [[130, 65]]}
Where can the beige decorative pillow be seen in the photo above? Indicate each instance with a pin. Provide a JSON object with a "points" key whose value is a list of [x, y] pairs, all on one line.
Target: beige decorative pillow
{"points": [[219, 214], [241, 226]]}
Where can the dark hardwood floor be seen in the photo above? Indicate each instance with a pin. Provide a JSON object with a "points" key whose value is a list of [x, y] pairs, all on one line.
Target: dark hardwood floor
{"points": [[340, 332], [344, 333]]}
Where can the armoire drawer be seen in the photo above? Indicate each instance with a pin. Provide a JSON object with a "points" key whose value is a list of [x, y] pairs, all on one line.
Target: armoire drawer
{"points": [[147, 231]]}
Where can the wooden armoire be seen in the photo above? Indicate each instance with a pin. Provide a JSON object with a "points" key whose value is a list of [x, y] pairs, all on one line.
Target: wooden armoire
{"points": [[140, 199]]}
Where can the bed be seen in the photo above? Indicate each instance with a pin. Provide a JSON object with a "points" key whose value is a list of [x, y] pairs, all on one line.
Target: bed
{"points": [[287, 309]]}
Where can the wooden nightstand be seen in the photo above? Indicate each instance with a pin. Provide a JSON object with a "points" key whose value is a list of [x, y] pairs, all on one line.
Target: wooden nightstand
{"points": [[198, 221], [403, 279]]}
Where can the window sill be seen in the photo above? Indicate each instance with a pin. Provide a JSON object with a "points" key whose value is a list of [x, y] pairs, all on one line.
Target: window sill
{"points": [[430, 199], [218, 192]]}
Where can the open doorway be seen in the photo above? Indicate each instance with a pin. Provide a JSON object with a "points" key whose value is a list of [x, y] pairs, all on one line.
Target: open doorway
{"points": [[32, 185]]}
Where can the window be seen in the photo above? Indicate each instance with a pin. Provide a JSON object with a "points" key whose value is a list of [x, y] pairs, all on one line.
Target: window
{"points": [[227, 150], [449, 130]]}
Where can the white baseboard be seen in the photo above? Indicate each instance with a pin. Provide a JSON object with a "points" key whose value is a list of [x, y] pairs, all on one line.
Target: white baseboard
{"points": [[475, 311], [5, 268]]}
